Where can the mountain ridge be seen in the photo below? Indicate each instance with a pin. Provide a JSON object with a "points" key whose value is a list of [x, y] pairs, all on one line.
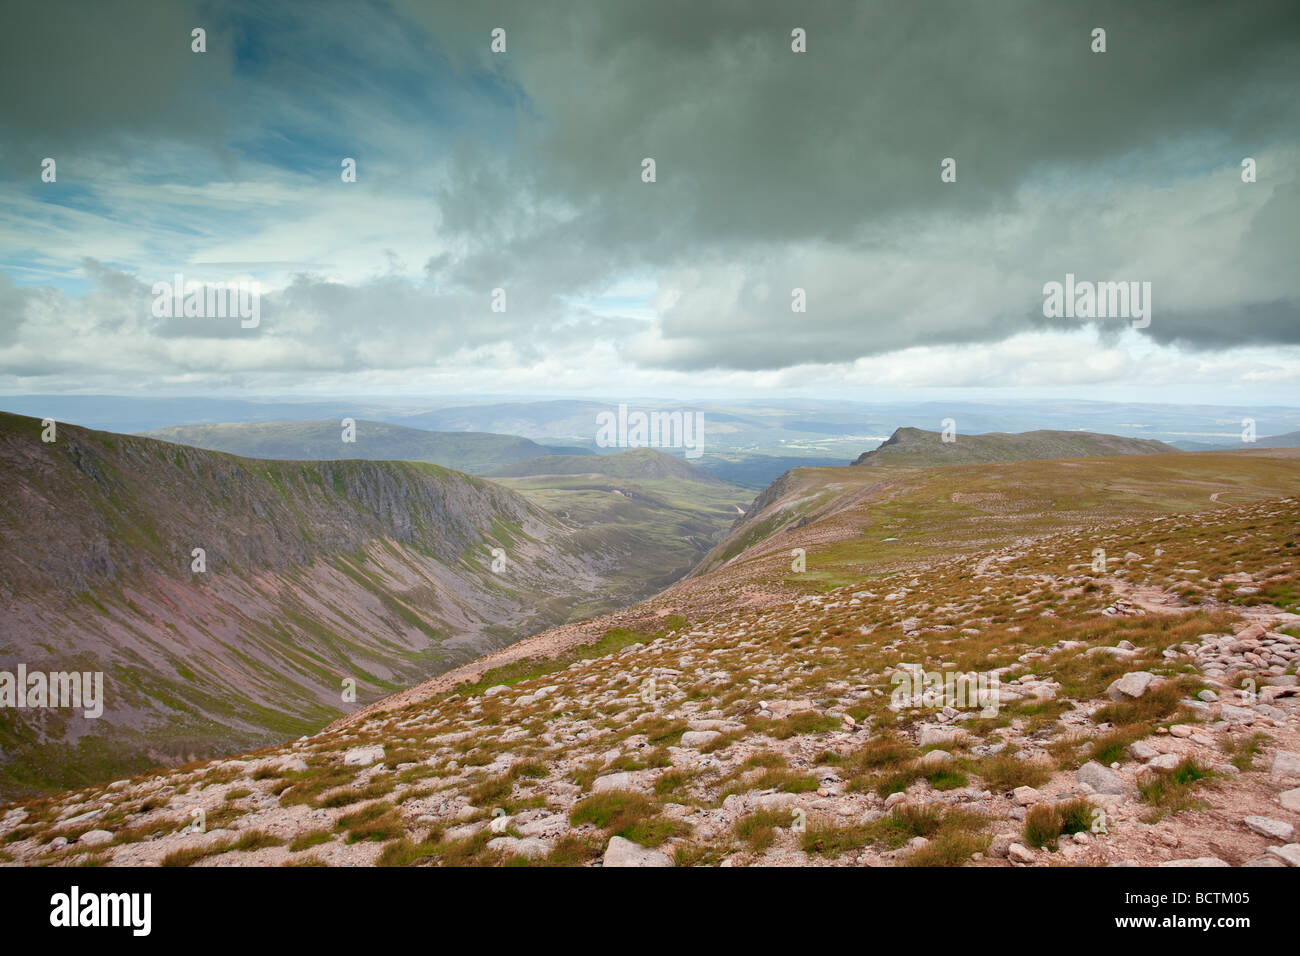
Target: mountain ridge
{"points": [[920, 446], [321, 440], [312, 572]]}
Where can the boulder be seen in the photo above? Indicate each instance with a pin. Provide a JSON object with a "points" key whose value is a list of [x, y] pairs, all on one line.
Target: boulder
{"points": [[1285, 764], [1289, 854], [363, 756], [621, 852], [612, 781], [1131, 685], [1025, 796], [1101, 779], [1278, 830], [1020, 854]]}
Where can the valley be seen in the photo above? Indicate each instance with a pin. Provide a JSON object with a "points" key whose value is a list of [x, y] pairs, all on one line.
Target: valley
{"points": [[743, 715]]}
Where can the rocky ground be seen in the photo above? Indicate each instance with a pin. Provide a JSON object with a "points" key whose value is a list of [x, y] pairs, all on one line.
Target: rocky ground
{"points": [[1146, 713]]}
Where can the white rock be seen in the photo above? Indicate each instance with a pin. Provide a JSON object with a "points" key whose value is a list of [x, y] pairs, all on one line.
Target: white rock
{"points": [[1289, 854], [1290, 799], [1140, 750], [1268, 827], [1020, 854], [781, 709], [95, 838], [1131, 685], [1101, 779], [363, 756], [1285, 764], [612, 781], [621, 852], [698, 738], [1025, 796]]}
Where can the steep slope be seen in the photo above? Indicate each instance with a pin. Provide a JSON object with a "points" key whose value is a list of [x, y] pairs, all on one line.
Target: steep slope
{"points": [[913, 446], [321, 440], [315, 573]]}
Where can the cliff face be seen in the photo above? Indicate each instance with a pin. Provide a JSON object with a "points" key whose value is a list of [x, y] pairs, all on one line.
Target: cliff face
{"points": [[379, 573]]}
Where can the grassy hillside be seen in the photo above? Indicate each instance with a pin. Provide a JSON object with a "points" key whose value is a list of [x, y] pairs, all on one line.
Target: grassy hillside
{"points": [[474, 452], [898, 512], [316, 572]]}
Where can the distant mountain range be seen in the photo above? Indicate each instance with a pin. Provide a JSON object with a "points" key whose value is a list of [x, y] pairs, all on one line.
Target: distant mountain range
{"points": [[322, 440], [734, 431], [1289, 440]]}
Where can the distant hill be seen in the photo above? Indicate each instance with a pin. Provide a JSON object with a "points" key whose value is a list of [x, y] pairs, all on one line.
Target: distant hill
{"points": [[321, 440], [915, 446], [631, 463], [1289, 440]]}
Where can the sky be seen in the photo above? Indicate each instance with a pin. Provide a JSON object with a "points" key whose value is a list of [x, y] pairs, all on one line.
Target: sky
{"points": [[522, 170]]}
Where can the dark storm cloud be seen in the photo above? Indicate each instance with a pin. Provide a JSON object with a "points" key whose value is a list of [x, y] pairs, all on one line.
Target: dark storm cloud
{"points": [[756, 146], [88, 82]]}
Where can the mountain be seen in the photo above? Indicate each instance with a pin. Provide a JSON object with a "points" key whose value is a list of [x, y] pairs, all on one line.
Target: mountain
{"points": [[315, 572], [321, 440], [1030, 492], [918, 447], [759, 715]]}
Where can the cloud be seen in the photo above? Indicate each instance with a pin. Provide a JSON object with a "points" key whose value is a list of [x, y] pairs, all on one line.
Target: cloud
{"points": [[776, 171]]}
